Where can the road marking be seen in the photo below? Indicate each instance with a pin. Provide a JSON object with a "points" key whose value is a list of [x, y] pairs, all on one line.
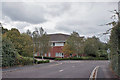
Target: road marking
{"points": [[73, 66], [61, 70], [55, 64], [93, 75]]}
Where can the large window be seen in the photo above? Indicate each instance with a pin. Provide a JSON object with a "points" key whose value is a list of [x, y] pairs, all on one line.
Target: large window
{"points": [[45, 54], [59, 55], [49, 54], [56, 54]]}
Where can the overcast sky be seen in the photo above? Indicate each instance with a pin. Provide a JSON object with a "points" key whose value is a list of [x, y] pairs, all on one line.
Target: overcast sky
{"points": [[59, 17]]}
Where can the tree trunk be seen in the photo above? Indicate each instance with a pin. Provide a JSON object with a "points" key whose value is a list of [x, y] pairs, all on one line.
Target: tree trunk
{"points": [[42, 57]]}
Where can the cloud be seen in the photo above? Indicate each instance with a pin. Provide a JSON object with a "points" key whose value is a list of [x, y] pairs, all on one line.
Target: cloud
{"points": [[65, 17], [85, 18], [23, 12], [33, 13]]}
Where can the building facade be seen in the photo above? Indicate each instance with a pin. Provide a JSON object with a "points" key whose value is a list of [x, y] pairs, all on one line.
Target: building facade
{"points": [[57, 43]]}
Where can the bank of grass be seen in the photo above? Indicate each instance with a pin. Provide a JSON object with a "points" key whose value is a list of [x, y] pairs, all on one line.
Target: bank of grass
{"points": [[82, 58]]}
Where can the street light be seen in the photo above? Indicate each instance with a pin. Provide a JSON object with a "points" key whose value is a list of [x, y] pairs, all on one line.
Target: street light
{"points": [[108, 51]]}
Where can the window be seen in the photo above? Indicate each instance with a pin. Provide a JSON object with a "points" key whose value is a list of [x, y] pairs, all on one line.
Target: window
{"points": [[49, 54], [59, 54], [62, 55], [45, 54], [53, 44], [56, 54]]}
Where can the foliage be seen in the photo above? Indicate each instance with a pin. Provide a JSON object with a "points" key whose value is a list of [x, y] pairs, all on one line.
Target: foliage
{"points": [[41, 41], [10, 56], [103, 53], [67, 49], [74, 44], [14, 47], [92, 45], [39, 57], [4, 30], [22, 42], [27, 45], [8, 53], [115, 44], [115, 48], [24, 60], [43, 61], [83, 58]]}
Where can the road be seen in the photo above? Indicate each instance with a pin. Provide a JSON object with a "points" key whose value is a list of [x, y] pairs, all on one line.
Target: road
{"points": [[61, 69]]}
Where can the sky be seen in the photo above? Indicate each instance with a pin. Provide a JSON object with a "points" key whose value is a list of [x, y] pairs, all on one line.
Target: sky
{"points": [[85, 18]]}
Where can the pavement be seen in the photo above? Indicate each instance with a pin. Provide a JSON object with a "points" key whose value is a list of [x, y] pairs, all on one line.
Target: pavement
{"points": [[61, 69]]}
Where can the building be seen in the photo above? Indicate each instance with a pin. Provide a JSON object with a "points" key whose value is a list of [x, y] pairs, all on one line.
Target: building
{"points": [[57, 43]]}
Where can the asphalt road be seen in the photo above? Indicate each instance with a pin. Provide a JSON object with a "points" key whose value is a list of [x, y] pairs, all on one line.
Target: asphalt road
{"points": [[60, 69]]}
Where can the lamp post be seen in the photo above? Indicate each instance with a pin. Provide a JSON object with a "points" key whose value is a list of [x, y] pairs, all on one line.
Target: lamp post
{"points": [[108, 51]]}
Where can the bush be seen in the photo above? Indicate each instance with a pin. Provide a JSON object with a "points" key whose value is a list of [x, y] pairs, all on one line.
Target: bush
{"points": [[8, 53], [83, 58], [39, 57], [42, 61], [24, 60], [35, 61]]}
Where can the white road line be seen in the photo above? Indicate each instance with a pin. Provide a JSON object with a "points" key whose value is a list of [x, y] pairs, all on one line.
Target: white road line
{"points": [[73, 66], [55, 64], [61, 70], [93, 75]]}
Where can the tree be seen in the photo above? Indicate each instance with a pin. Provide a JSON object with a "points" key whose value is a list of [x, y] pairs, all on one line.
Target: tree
{"points": [[22, 42], [41, 41], [8, 53], [29, 32], [115, 44], [67, 49], [92, 45], [74, 44], [14, 36], [27, 45]]}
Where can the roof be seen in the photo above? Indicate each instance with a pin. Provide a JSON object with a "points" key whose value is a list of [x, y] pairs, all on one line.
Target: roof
{"points": [[58, 37]]}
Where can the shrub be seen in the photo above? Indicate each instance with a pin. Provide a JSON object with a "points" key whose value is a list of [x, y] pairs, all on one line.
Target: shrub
{"points": [[8, 53], [43, 61], [83, 58], [35, 61], [24, 60], [39, 57]]}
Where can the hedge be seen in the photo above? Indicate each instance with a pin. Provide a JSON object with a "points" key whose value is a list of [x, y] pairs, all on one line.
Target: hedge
{"points": [[83, 58], [39, 57], [43, 61]]}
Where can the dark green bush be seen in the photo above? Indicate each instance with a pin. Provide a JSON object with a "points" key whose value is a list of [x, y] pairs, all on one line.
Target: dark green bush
{"points": [[35, 61], [8, 53], [39, 57], [82, 58]]}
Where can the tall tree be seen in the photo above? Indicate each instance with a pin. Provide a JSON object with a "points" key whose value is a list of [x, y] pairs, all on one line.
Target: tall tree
{"points": [[41, 38], [9, 53], [22, 42], [28, 32], [74, 44], [92, 45], [67, 49]]}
